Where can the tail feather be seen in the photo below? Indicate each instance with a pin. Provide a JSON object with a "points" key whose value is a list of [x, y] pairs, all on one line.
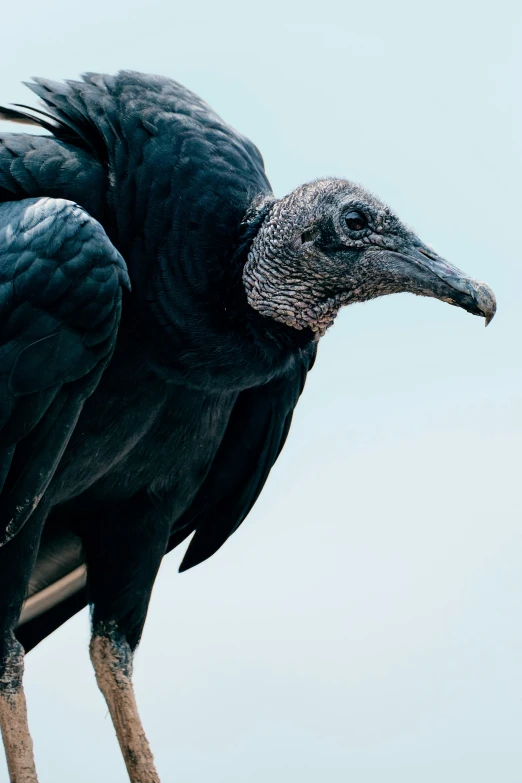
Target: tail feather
{"points": [[15, 115], [57, 588], [36, 630]]}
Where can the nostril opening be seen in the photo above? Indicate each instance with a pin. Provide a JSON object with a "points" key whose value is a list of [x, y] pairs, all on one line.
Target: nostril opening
{"points": [[309, 235], [427, 254]]}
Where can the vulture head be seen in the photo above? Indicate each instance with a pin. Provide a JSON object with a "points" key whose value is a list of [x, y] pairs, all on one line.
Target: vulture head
{"points": [[330, 243]]}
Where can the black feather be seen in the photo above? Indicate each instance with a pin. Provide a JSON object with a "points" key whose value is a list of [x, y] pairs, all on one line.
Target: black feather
{"points": [[177, 430]]}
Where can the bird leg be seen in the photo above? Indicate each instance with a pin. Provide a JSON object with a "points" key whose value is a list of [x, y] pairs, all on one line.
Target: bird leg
{"points": [[13, 717], [112, 657]]}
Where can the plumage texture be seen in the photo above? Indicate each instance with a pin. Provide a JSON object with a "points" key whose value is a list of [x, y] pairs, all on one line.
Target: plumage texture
{"points": [[159, 312], [180, 195], [60, 304], [231, 289]]}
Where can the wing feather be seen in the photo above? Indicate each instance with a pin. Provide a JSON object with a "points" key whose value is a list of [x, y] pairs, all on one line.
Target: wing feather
{"points": [[60, 303], [255, 435]]}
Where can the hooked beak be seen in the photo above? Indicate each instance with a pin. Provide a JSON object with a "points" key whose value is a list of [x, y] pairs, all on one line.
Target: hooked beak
{"points": [[437, 278]]}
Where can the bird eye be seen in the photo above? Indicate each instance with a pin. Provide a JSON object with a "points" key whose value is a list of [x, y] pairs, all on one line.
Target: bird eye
{"points": [[355, 220]]}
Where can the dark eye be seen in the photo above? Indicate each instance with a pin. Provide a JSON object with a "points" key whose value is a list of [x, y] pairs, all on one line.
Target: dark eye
{"points": [[355, 220]]}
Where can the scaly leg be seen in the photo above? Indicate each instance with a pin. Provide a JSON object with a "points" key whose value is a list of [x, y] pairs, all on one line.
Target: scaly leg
{"points": [[13, 717], [16, 563], [111, 657], [124, 546]]}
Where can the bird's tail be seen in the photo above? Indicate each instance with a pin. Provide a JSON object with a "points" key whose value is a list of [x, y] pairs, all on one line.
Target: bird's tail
{"points": [[57, 588]]}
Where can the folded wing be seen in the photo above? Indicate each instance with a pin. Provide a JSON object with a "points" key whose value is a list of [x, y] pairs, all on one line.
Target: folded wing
{"points": [[255, 435], [60, 302]]}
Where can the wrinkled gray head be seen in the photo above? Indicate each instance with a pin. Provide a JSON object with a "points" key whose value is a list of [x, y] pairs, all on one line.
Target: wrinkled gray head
{"points": [[330, 243]]}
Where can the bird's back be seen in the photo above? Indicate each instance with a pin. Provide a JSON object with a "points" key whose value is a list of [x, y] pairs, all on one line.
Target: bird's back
{"points": [[169, 180], [132, 139]]}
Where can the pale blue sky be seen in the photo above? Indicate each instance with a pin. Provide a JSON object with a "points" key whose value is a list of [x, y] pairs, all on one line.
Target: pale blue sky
{"points": [[365, 623]]}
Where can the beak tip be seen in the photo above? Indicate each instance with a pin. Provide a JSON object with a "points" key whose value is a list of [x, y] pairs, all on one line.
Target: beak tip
{"points": [[489, 312], [484, 299]]}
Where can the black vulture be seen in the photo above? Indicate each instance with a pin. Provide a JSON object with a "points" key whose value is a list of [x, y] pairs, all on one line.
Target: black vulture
{"points": [[160, 309]]}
